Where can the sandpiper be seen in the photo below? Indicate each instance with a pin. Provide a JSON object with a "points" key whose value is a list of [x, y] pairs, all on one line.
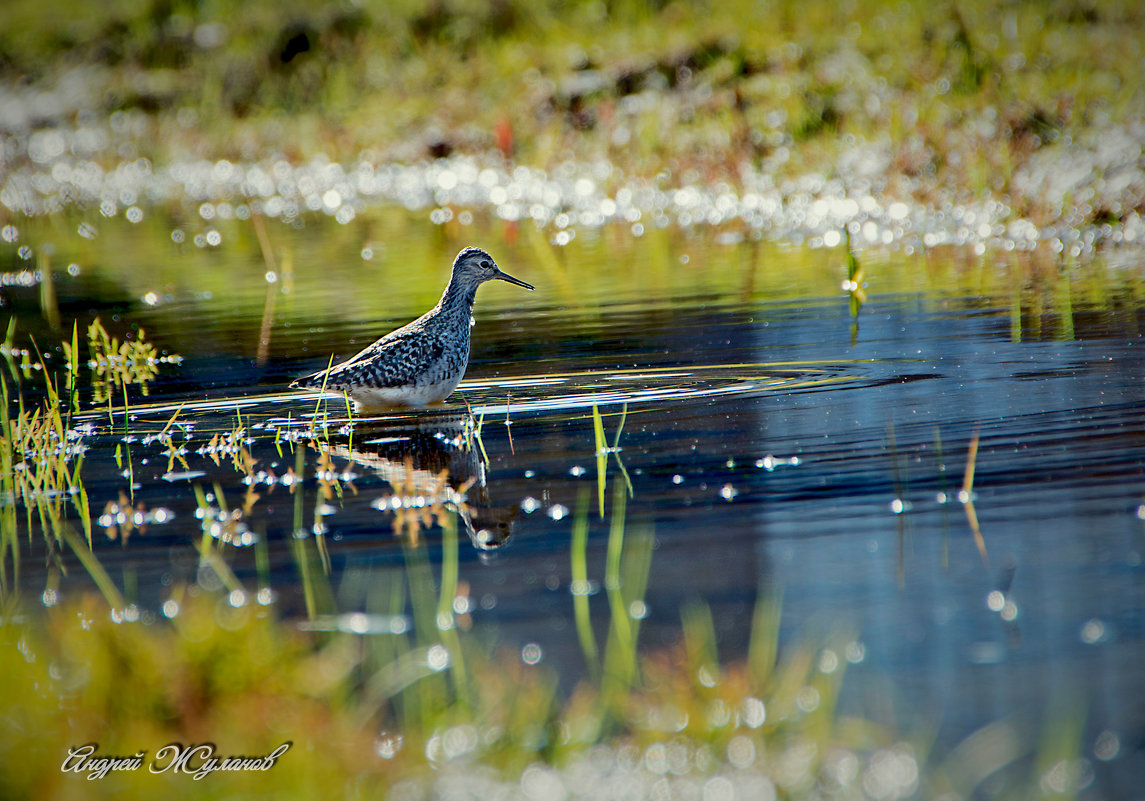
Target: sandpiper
{"points": [[420, 363]]}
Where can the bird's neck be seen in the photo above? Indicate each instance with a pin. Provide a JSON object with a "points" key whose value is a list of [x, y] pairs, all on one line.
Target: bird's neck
{"points": [[458, 298]]}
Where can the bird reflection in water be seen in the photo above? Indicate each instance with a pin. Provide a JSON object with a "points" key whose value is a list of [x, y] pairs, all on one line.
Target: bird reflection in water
{"points": [[432, 471]]}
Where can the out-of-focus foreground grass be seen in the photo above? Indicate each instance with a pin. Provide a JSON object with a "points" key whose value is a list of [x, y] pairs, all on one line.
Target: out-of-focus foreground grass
{"points": [[365, 713]]}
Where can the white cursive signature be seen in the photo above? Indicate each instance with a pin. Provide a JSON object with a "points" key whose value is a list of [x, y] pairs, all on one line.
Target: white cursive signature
{"points": [[198, 761], [81, 759]]}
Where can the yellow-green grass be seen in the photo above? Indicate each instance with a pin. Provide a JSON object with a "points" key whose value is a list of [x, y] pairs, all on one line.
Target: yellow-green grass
{"points": [[961, 93]]}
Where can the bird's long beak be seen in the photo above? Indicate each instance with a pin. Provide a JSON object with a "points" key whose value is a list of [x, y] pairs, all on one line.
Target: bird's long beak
{"points": [[512, 280]]}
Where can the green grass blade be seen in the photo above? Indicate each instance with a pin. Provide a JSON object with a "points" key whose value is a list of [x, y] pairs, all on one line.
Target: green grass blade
{"points": [[580, 585], [601, 456], [764, 645], [94, 569]]}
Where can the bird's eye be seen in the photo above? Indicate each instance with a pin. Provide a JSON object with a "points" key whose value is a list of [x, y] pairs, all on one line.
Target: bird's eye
{"points": [[486, 265]]}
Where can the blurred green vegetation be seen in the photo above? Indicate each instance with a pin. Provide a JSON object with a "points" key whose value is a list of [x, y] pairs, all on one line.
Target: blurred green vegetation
{"points": [[323, 279], [959, 93], [247, 681]]}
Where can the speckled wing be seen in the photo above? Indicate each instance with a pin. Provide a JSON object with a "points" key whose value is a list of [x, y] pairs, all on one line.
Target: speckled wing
{"points": [[395, 360]]}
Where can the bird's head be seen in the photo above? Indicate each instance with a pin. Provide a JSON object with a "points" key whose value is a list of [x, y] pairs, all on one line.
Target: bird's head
{"points": [[475, 266]]}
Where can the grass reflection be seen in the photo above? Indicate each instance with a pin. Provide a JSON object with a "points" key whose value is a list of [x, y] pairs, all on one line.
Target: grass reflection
{"points": [[580, 586], [116, 364]]}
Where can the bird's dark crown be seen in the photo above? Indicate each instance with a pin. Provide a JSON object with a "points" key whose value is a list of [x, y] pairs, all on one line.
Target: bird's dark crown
{"points": [[475, 264]]}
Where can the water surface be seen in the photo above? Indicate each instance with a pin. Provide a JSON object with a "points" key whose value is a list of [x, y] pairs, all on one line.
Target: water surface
{"points": [[774, 443]]}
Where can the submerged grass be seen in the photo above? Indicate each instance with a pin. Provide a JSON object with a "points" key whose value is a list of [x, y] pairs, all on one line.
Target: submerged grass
{"points": [[41, 470], [42, 455], [603, 450], [116, 365], [580, 587]]}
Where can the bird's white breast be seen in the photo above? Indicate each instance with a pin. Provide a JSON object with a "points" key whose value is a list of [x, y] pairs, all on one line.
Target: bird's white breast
{"points": [[412, 395]]}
